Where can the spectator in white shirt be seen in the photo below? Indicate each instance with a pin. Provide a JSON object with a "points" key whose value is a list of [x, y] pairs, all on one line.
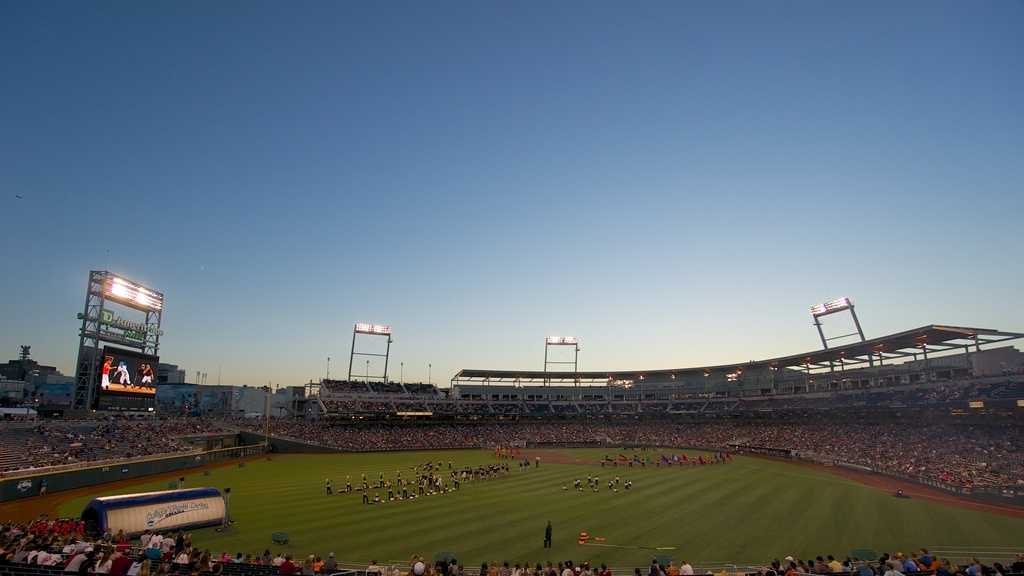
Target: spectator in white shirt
{"points": [[104, 563], [75, 563]]}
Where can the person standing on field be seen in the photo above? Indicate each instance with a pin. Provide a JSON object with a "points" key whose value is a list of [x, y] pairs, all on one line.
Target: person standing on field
{"points": [[547, 535]]}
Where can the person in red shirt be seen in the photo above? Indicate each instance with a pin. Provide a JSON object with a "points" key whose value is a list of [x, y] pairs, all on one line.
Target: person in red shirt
{"points": [[288, 568], [119, 564]]}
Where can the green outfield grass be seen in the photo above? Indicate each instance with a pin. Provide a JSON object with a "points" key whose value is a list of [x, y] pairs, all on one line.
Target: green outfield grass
{"points": [[747, 511]]}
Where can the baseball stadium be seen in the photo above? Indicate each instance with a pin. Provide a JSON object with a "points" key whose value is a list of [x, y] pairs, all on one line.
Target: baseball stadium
{"points": [[491, 288], [897, 448]]}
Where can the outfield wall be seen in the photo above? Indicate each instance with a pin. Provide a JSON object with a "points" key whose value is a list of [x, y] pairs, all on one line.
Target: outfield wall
{"points": [[284, 445], [26, 486], [988, 494]]}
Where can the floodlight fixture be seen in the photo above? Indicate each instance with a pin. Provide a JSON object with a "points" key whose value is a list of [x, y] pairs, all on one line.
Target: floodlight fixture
{"points": [[831, 307], [373, 329], [132, 294]]}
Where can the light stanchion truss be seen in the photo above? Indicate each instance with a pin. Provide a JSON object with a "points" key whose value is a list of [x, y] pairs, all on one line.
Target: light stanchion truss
{"points": [[370, 330], [562, 342], [833, 307]]}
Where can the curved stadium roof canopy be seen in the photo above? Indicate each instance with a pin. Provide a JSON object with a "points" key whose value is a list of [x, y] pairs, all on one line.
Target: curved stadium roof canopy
{"points": [[910, 344]]}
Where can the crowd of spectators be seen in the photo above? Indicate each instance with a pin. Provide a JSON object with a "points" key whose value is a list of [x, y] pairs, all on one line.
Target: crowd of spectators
{"points": [[54, 443], [957, 454], [62, 545], [953, 453], [362, 398]]}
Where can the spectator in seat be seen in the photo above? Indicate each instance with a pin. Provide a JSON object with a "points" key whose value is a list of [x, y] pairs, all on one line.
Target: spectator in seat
{"points": [[892, 571], [288, 568], [104, 563], [926, 560], [119, 564]]}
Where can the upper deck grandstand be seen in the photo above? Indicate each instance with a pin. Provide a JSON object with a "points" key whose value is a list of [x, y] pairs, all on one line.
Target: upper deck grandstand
{"points": [[934, 364]]}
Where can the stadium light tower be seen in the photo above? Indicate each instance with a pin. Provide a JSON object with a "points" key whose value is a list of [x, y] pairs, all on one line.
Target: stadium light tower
{"points": [[562, 341], [832, 307], [370, 330]]}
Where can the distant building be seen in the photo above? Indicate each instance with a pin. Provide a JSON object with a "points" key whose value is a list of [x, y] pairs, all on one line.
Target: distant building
{"points": [[26, 369], [169, 374], [288, 401], [12, 392]]}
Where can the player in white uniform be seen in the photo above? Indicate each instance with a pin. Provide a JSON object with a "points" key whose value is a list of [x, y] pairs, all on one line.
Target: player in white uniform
{"points": [[122, 376]]}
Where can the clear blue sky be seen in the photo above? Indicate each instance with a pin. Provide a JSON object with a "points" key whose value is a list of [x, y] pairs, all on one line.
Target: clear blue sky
{"points": [[672, 182]]}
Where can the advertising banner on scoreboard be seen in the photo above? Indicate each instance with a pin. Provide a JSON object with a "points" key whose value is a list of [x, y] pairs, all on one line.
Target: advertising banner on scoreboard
{"points": [[127, 372]]}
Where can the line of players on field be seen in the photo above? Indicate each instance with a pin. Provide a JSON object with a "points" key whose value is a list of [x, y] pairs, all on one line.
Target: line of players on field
{"points": [[428, 479], [665, 460], [594, 484]]}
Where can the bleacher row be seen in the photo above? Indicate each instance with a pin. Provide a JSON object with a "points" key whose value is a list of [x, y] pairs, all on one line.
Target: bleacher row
{"points": [[345, 386], [51, 443], [362, 397]]}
